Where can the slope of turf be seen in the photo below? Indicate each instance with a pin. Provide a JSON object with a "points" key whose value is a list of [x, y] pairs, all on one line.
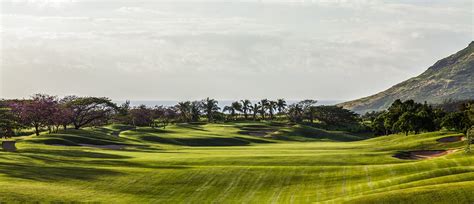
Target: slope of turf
{"points": [[217, 163]]}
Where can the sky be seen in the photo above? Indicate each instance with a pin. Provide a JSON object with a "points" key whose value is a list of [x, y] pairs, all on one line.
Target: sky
{"points": [[226, 49]]}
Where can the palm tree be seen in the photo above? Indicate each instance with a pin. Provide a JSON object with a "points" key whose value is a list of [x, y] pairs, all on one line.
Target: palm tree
{"points": [[281, 105], [236, 106], [246, 106], [184, 110], [210, 107], [271, 106], [263, 107], [295, 112], [196, 107], [255, 109], [231, 111]]}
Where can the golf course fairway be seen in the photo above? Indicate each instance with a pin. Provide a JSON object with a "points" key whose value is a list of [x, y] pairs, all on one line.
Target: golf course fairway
{"points": [[234, 163]]}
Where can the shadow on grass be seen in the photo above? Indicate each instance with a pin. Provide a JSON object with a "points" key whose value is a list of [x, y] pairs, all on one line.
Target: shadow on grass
{"points": [[114, 132], [204, 142], [315, 134], [50, 173], [75, 141], [192, 126], [78, 158], [70, 153], [150, 130]]}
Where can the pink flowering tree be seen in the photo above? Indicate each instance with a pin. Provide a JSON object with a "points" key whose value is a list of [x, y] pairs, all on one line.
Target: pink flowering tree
{"points": [[36, 112]]}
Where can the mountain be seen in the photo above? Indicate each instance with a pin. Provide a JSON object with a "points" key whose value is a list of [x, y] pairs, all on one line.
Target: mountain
{"points": [[449, 78]]}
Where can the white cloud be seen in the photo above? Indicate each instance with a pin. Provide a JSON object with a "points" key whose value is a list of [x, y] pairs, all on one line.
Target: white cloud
{"points": [[310, 43]]}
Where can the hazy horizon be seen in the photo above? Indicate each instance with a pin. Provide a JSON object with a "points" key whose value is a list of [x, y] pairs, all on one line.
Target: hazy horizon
{"points": [[187, 50]]}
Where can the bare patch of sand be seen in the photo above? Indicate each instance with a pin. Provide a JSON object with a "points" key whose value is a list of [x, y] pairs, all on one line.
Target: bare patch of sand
{"points": [[9, 146], [422, 154], [451, 139], [259, 133]]}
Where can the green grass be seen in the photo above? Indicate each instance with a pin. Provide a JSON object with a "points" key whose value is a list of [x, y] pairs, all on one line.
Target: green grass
{"points": [[221, 163]]}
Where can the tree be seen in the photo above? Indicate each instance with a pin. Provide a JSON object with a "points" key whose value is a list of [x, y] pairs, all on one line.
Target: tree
{"points": [[335, 115], [421, 117], [311, 112], [394, 112], [123, 115], [271, 106], [425, 119], [142, 116], [196, 108], [263, 107], [88, 110], [7, 121], [37, 112], [406, 122], [295, 113], [231, 111], [246, 107], [166, 115], [281, 105], [237, 106], [62, 116], [457, 121], [309, 109], [184, 111], [377, 124], [233, 108], [255, 110], [210, 107]]}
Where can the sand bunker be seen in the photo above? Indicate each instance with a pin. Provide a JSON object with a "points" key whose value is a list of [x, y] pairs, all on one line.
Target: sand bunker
{"points": [[260, 133], [422, 154], [256, 134], [451, 139], [9, 146]]}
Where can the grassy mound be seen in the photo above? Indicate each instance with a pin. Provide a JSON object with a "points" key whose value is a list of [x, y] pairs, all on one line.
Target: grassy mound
{"points": [[307, 133], [194, 135], [73, 137]]}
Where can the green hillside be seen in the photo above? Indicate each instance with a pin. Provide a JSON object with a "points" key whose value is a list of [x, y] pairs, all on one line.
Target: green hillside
{"points": [[449, 78], [233, 163]]}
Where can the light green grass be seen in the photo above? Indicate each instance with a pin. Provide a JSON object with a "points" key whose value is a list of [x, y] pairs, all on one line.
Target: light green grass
{"points": [[220, 163]]}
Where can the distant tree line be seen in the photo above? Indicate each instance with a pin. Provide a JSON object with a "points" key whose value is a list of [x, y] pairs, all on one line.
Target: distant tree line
{"points": [[49, 113], [409, 116]]}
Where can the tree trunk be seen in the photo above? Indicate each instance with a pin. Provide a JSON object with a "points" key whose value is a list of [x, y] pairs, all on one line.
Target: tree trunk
{"points": [[37, 130]]}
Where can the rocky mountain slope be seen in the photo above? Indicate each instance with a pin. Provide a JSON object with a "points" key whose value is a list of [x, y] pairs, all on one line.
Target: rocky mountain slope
{"points": [[449, 78]]}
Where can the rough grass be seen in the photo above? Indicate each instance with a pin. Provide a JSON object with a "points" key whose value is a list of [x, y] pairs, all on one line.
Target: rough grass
{"points": [[216, 163]]}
